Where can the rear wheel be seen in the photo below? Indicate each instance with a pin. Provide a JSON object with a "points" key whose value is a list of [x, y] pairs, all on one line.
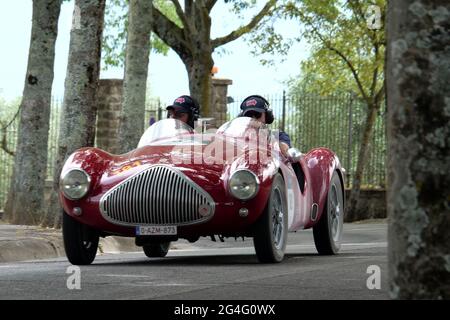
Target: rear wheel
{"points": [[328, 231], [80, 241], [271, 229], [157, 250]]}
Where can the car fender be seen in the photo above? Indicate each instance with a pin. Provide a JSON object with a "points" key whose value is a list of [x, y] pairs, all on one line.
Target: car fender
{"points": [[321, 164]]}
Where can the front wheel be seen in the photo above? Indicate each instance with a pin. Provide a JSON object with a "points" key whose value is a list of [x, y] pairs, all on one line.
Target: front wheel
{"points": [[271, 229], [80, 241], [157, 250], [328, 231]]}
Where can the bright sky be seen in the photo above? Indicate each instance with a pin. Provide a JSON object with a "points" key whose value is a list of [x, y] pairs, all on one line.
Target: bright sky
{"points": [[168, 78]]}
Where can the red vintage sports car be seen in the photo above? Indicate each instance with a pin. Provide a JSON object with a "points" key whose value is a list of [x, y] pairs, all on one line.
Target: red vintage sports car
{"points": [[183, 184]]}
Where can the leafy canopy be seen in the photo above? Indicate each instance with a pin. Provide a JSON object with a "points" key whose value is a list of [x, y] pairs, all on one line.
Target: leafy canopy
{"points": [[347, 53], [116, 22], [115, 33]]}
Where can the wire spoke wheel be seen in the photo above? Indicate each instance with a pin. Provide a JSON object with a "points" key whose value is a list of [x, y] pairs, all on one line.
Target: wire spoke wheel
{"points": [[278, 219], [335, 214], [270, 233], [328, 231]]}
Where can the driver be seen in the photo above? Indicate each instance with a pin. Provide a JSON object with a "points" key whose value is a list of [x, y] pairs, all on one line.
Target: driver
{"points": [[184, 108], [258, 108]]}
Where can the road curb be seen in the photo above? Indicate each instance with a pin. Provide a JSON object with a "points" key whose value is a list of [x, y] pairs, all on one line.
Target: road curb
{"points": [[30, 249], [50, 247], [22, 243]]}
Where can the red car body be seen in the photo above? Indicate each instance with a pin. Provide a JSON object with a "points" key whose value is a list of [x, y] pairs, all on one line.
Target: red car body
{"points": [[113, 191]]}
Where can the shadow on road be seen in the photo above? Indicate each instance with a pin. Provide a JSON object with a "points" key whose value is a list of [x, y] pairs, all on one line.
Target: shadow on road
{"points": [[219, 260]]}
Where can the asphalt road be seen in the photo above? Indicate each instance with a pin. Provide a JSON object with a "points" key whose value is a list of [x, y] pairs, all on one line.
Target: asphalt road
{"points": [[208, 270]]}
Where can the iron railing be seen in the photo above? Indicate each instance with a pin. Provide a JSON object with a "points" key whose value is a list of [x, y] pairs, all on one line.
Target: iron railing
{"points": [[334, 121]]}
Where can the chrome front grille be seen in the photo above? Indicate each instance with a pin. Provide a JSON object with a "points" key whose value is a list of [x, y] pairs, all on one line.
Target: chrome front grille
{"points": [[159, 195]]}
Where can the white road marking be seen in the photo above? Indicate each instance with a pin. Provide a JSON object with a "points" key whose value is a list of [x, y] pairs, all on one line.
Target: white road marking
{"points": [[366, 244], [13, 266], [125, 276], [363, 257], [351, 244], [152, 284], [364, 229]]}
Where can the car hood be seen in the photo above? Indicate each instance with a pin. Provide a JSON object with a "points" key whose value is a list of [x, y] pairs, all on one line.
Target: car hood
{"points": [[107, 170], [208, 176]]}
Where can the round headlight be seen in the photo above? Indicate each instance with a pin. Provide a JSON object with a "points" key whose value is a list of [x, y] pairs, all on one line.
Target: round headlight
{"points": [[243, 184], [75, 184]]}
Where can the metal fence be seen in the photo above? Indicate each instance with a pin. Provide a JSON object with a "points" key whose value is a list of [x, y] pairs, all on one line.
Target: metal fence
{"points": [[154, 112], [334, 121], [7, 160]]}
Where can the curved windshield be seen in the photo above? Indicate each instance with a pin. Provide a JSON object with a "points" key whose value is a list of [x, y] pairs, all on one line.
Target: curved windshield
{"points": [[240, 126], [167, 132]]}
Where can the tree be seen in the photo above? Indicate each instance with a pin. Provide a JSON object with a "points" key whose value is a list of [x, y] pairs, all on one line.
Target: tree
{"points": [[191, 40], [419, 149], [348, 49], [116, 29], [25, 203], [187, 30], [128, 37], [136, 72], [77, 128]]}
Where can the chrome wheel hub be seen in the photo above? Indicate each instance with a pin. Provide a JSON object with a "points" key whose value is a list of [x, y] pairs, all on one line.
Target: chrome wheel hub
{"points": [[278, 219], [335, 214]]}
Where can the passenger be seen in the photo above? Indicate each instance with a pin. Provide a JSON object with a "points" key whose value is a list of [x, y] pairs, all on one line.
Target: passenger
{"points": [[184, 108], [258, 108]]}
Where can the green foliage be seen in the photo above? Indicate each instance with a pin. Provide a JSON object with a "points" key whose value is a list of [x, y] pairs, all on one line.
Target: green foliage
{"points": [[346, 54], [239, 6], [266, 38], [115, 33], [267, 42]]}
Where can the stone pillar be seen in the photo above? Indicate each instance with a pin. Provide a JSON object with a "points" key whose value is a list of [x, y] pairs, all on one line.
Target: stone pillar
{"points": [[219, 100], [108, 114]]}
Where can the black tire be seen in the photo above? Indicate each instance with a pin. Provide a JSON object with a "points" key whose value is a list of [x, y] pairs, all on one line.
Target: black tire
{"points": [[157, 250], [270, 233], [328, 231], [80, 241]]}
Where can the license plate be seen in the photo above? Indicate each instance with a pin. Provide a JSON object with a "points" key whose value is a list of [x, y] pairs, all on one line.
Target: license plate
{"points": [[156, 230]]}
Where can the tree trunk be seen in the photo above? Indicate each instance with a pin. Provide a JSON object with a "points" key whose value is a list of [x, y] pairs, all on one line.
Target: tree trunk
{"points": [[77, 128], [200, 83], [193, 43], [363, 155], [25, 203], [419, 149], [136, 72]]}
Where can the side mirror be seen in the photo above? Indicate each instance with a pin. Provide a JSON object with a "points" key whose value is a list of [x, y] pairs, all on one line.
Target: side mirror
{"points": [[294, 154]]}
